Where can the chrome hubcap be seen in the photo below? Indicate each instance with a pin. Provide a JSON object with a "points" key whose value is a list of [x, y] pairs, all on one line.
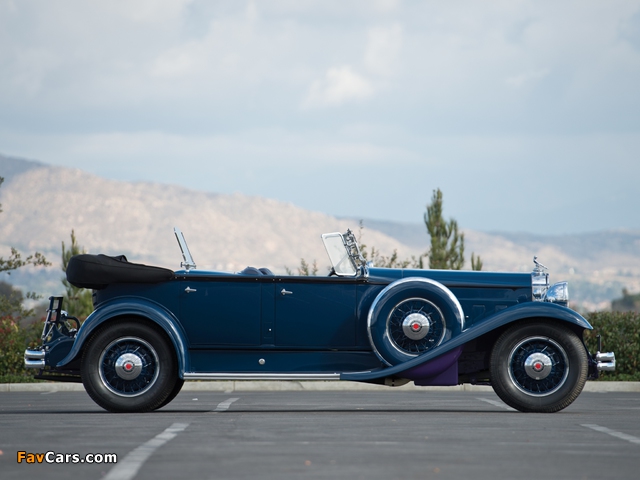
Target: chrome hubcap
{"points": [[538, 366], [416, 326], [128, 366]]}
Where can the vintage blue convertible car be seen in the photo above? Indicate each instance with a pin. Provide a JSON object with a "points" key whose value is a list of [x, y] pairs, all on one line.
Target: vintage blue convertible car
{"points": [[153, 328]]}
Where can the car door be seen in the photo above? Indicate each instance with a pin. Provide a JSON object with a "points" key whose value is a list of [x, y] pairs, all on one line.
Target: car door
{"points": [[221, 311], [317, 313]]}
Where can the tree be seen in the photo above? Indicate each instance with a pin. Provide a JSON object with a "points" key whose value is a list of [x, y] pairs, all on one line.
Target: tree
{"points": [[14, 337], [78, 301], [627, 303], [305, 270], [446, 251], [447, 245], [11, 301], [476, 262]]}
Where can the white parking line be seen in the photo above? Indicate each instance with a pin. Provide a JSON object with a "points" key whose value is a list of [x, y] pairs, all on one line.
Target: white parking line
{"points": [[613, 433], [127, 469], [224, 406], [497, 403]]}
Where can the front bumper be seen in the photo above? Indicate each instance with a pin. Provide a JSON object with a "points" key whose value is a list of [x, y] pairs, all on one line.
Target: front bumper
{"points": [[605, 361]]}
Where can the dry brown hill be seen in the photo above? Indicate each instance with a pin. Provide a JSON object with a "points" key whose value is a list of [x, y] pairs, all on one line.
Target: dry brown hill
{"points": [[42, 204]]}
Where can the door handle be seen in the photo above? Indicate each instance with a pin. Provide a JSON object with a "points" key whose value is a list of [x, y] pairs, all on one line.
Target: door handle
{"points": [[284, 292], [189, 290]]}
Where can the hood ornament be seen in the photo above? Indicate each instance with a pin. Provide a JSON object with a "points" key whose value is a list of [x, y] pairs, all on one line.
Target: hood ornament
{"points": [[539, 267], [539, 280]]}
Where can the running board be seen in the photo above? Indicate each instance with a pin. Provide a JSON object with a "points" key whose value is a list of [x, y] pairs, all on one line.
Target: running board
{"points": [[261, 376]]}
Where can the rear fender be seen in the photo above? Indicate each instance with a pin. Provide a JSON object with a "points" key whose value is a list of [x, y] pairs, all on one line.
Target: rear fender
{"points": [[524, 311], [132, 307]]}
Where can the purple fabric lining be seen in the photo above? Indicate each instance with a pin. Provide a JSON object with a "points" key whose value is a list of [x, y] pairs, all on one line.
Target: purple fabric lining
{"points": [[439, 371]]}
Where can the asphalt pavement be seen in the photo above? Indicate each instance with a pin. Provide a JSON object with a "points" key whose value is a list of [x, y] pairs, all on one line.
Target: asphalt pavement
{"points": [[403, 434]]}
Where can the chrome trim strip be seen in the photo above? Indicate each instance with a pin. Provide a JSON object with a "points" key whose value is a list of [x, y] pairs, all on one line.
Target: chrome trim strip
{"points": [[261, 376]]}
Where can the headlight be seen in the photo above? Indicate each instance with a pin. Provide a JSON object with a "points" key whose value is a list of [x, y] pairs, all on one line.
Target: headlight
{"points": [[558, 293]]}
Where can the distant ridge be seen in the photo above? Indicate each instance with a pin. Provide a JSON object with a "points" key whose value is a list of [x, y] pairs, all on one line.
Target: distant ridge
{"points": [[42, 204], [587, 245], [11, 167], [598, 265]]}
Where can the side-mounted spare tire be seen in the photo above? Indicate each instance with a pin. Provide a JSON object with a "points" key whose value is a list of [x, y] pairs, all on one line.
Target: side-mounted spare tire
{"points": [[412, 316]]}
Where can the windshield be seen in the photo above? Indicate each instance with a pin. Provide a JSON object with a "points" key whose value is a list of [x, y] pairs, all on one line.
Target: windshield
{"points": [[340, 254]]}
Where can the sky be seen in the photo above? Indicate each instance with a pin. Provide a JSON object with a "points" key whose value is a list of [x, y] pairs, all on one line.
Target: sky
{"points": [[526, 114]]}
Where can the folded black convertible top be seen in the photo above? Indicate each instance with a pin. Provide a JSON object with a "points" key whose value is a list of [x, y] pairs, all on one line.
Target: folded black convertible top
{"points": [[98, 271]]}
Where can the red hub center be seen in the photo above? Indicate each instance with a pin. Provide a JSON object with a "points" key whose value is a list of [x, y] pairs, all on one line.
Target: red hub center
{"points": [[416, 326], [128, 366], [538, 366]]}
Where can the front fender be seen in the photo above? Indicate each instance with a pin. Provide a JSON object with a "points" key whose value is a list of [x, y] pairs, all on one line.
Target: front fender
{"points": [[513, 314], [133, 306]]}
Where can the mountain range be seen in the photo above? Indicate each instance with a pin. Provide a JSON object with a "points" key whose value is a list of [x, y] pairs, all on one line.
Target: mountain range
{"points": [[42, 204]]}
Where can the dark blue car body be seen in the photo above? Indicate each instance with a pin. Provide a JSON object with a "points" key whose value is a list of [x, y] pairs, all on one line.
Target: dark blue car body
{"points": [[377, 325]]}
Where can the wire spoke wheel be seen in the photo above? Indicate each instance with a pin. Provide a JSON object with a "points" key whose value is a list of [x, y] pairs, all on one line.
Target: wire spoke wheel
{"points": [[415, 326], [538, 366], [129, 366]]}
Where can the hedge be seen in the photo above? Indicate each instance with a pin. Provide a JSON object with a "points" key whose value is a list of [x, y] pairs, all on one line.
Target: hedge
{"points": [[620, 332], [14, 338]]}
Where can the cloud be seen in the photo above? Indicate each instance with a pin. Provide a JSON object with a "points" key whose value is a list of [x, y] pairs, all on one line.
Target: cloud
{"points": [[383, 47], [148, 11], [136, 89], [522, 79], [339, 85]]}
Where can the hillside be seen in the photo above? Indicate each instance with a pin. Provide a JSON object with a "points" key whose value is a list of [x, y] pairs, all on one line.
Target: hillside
{"points": [[42, 204]]}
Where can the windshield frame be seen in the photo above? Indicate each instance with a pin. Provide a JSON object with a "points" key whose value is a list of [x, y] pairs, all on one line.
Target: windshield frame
{"points": [[344, 254]]}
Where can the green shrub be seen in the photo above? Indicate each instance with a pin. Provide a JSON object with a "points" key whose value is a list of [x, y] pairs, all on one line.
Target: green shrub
{"points": [[14, 339], [620, 332]]}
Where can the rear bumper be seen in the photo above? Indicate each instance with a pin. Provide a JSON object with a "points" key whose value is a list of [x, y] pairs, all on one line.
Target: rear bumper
{"points": [[34, 358]]}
